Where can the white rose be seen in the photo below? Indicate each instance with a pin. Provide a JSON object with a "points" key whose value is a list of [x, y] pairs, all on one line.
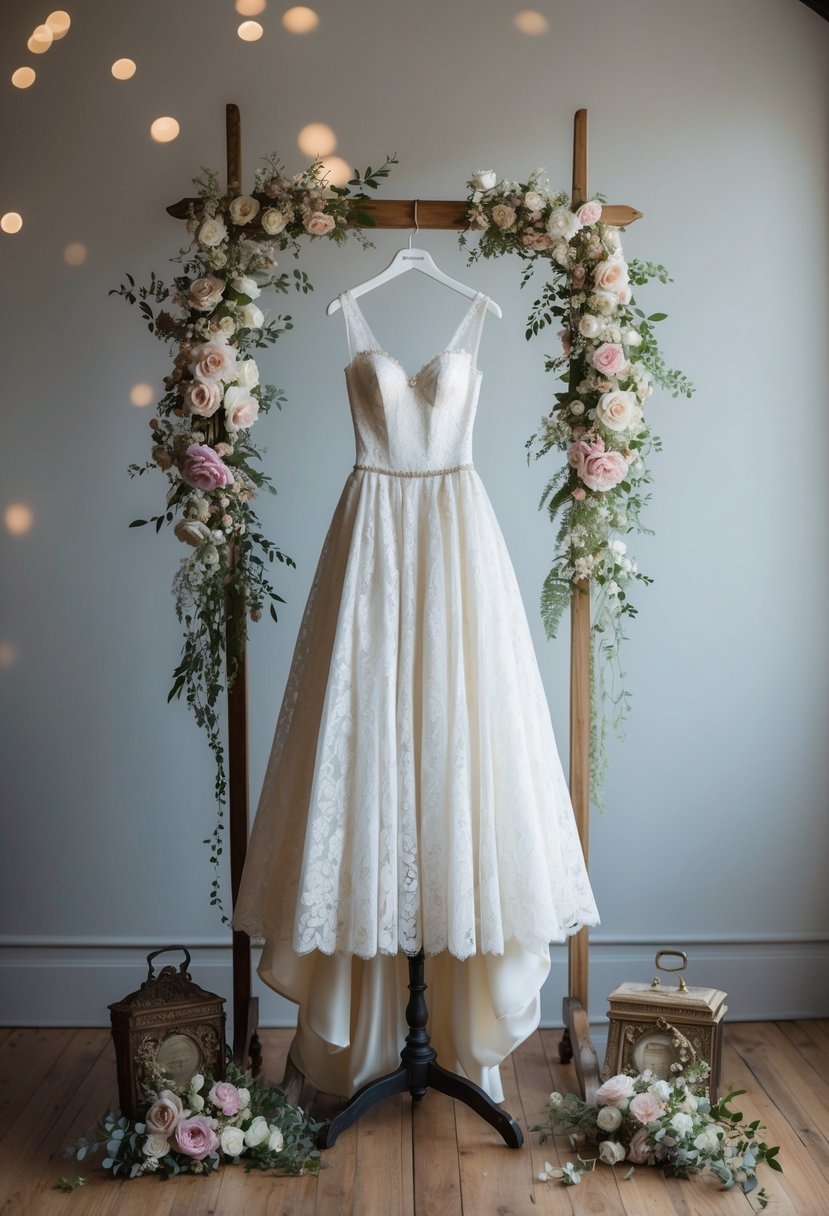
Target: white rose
{"points": [[682, 1123], [247, 373], [609, 1118], [620, 411], [155, 1146], [243, 209], [258, 1132], [503, 216], [192, 532], [274, 220], [246, 286], [612, 238], [631, 338], [533, 201], [212, 232], [233, 1141], [611, 275], [590, 326], [252, 317], [204, 294], [484, 179], [610, 1152], [276, 1141], [562, 224]]}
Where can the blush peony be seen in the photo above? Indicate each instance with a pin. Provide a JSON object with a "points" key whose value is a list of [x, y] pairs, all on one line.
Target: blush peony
{"points": [[226, 1098], [615, 1090], [203, 468], [196, 1137], [590, 213], [645, 1107]]}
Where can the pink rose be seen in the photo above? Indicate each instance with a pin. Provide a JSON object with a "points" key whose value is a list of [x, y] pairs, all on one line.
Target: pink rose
{"points": [[603, 470], [241, 409], [204, 294], [590, 213], [640, 1152], [577, 275], [318, 223], [202, 397], [608, 358], [615, 1090], [646, 1107], [196, 1137], [611, 275], [214, 361], [226, 1097], [203, 468], [164, 1115], [625, 294]]}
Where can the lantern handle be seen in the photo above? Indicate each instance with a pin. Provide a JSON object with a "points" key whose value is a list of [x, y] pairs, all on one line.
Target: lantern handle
{"points": [[184, 968]]}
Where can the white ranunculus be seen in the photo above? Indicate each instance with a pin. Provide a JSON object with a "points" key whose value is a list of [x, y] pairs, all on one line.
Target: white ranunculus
{"points": [[707, 1140], [562, 224], [192, 532], [590, 326], [243, 209], [155, 1146], [247, 373], [609, 1118], [533, 201], [620, 411], [212, 232], [233, 1141], [276, 1141], [484, 179], [258, 1132], [244, 1097], [253, 317], [246, 286], [682, 1123], [610, 1152], [273, 221]]}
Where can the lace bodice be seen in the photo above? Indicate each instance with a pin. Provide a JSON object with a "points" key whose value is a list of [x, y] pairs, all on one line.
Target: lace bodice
{"points": [[413, 424]]}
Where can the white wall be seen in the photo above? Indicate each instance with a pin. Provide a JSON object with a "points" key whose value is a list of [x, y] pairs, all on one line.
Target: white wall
{"points": [[711, 119]]}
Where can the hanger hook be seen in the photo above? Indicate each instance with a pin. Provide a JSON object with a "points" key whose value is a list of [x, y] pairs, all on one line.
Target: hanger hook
{"points": [[416, 225]]}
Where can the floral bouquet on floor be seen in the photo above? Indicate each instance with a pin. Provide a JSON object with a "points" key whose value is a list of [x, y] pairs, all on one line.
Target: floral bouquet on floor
{"points": [[670, 1123], [194, 1131]]}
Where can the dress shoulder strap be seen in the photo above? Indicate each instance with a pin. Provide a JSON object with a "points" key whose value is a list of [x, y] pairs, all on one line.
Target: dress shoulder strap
{"points": [[468, 334], [357, 329]]}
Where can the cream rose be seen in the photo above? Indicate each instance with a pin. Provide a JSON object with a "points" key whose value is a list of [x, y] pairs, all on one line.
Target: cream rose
{"points": [[191, 532], [610, 1152], [619, 411], [616, 1090], [214, 360], [318, 223], [212, 232], [258, 1132], [562, 224], [590, 326], [274, 220], [204, 294], [241, 409], [611, 275], [232, 1141], [246, 286], [247, 373], [155, 1146], [243, 209], [484, 179], [166, 1112], [609, 1118], [503, 216], [533, 201], [202, 397]]}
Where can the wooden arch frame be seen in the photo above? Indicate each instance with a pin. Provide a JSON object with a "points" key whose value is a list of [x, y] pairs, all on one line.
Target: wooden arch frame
{"points": [[576, 1043]]}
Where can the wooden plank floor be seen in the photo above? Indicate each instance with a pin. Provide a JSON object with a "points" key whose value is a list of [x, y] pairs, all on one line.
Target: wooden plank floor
{"points": [[436, 1159]]}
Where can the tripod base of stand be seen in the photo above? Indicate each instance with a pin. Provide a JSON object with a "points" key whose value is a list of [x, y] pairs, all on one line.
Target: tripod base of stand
{"points": [[419, 1072]]}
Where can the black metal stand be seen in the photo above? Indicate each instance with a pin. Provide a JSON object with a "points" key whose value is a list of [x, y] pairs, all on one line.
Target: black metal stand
{"points": [[418, 1072]]}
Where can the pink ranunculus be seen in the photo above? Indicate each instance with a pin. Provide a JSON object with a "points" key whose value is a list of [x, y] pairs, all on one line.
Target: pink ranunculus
{"points": [[204, 468], [608, 358], [577, 275], [646, 1107], [214, 361], [226, 1097], [590, 213], [318, 223], [202, 397], [615, 1090], [640, 1152], [603, 470], [196, 1137], [164, 1115]]}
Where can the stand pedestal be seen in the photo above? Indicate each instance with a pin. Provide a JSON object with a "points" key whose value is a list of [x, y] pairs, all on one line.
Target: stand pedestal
{"points": [[420, 1071]]}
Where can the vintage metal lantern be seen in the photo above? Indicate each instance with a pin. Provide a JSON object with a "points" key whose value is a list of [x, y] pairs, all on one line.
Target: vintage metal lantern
{"points": [[166, 1032], [655, 1026]]}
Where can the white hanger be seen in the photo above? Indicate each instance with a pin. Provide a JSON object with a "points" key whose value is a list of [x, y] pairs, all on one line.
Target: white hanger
{"points": [[412, 259]]}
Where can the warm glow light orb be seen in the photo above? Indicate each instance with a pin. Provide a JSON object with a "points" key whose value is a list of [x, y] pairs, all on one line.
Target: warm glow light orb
{"points": [[59, 22], [8, 655], [164, 129], [123, 69], [12, 221], [250, 31], [141, 394], [300, 20], [251, 8], [22, 78], [338, 171], [75, 254], [317, 139], [530, 22], [40, 40], [19, 518]]}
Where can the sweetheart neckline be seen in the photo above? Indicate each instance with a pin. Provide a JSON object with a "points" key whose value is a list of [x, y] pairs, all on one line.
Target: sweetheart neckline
{"points": [[412, 379]]}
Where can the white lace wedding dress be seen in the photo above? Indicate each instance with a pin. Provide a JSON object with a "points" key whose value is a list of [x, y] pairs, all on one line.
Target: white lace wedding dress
{"points": [[414, 795]]}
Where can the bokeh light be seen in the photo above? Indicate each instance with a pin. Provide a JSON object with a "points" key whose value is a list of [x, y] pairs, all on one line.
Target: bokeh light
{"points": [[59, 22], [41, 40], [142, 394], [164, 129], [300, 20], [22, 78], [317, 139], [12, 221], [19, 518], [530, 22], [75, 254], [123, 69], [8, 655], [339, 171], [250, 31], [251, 8]]}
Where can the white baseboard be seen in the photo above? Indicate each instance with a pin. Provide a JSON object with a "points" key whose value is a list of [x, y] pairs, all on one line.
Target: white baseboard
{"points": [[70, 981]]}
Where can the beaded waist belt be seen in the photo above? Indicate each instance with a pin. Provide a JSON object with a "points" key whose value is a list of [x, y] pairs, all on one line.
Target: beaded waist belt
{"points": [[371, 468]]}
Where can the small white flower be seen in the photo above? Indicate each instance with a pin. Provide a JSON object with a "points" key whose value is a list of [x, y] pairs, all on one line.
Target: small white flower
{"points": [[244, 1096], [247, 373], [590, 326], [196, 1082], [619, 547], [612, 589], [274, 220], [562, 224], [276, 1141], [682, 1123], [196, 1103]]}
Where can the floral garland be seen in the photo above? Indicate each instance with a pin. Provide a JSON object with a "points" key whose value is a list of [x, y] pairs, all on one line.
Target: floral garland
{"points": [[609, 363], [646, 1120], [201, 433], [195, 1129]]}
